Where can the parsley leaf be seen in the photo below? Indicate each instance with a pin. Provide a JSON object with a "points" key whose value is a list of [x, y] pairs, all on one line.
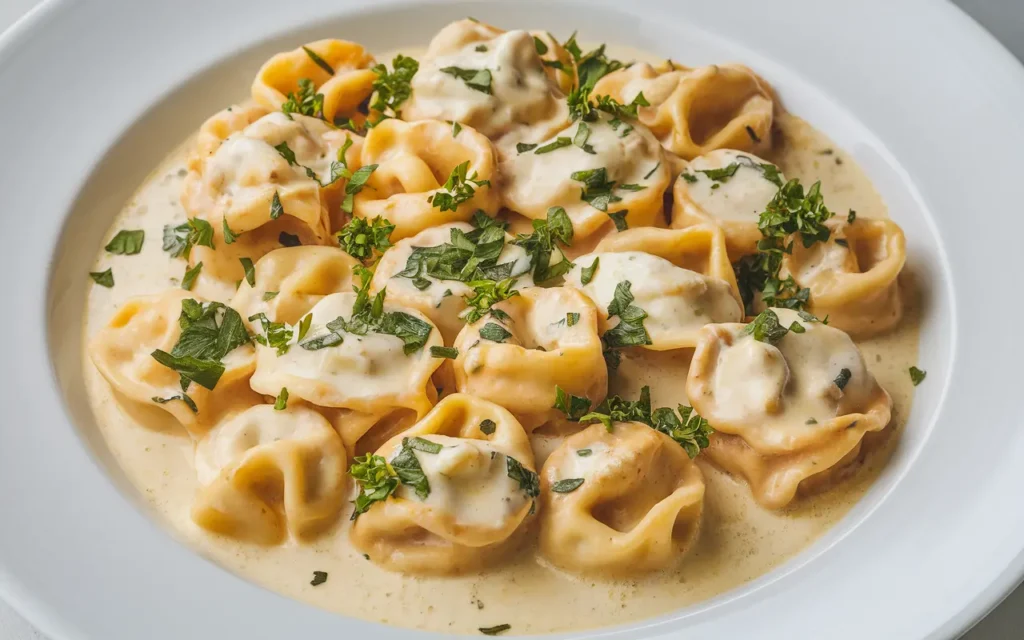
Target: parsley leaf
{"points": [[286, 153], [457, 189], [485, 294], [203, 342], [289, 239], [103, 278], [581, 137], [619, 218], [568, 485], [688, 429], [229, 235], [587, 273], [281, 403], [126, 242], [766, 328], [355, 185], [544, 241], [843, 378], [528, 480], [320, 62], [275, 209], [917, 376], [359, 238], [574, 407], [319, 577], [597, 188], [392, 89], [487, 427], [189, 280], [630, 330], [495, 630], [494, 332], [306, 101], [179, 240], [410, 473], [444, 352], [376, 480], [276, 335], [572, 318], [479, 79], [250, 271], [558, 143], [523, 147]]}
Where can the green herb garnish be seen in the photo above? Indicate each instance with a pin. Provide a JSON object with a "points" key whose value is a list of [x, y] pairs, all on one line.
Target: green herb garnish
{"points": [[487, 427], [568, 485], [103, 278], [320, 62], [494, 332], [574, 407], [479, 79], [359, 238], [917, 375], [281, 403], [376, 480], [179, 240], [392, 89], [457, 189], [127, 242], [444, 352], [190, 276]]}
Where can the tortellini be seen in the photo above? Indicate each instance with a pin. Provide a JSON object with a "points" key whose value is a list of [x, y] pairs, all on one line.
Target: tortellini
{"points": [[266, 472], [788, 407], [700, 248], [414, 161], [441, 300], [339, 71], [694, 111], [677, 302], [539, 339], [261, 188], [290, 280], [491, 80], [370, 376], [619, 502], [710, 190], [615, 169], [480, 482], [853, 278], [122, 353]]}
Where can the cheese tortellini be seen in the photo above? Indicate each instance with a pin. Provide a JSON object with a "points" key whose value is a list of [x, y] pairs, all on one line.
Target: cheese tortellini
{"points": [[414, 163], [266, 472], [677, 302], [853, 278], [788, 407], [539, 339], [730, 189], [620, 502], [615, 169], [478, 487], [122, 351], [338, 70], [440, 299], [491, 80], [338, 364], [260, 186], [694, 111], [290, 280]]}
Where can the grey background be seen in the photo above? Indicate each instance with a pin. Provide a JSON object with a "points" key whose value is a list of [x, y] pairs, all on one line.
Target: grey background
{"points": [[1004, 18]]}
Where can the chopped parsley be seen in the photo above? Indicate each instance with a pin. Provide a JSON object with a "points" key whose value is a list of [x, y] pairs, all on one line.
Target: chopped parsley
{"points": [[494, 332], [407, 466], [459, 188], [767, 328], [355, 184], [523, 147], [791, 211], [209, 331], [597, 188], [686, 428], [572, 318], [286, 152], [568, 485], [359, 238], [485, 294], [306, 101], [391, 89], [270, 295], [583, 453], [281, 403], [444, 352], [190, 276], [479, 79], [319, 577], [422, 444], [103, 278], [275, 209], [487, 427], [289, 239], [619, 218], [574, 407], [851, 217], [376, 480], [917, 376], [581, 137], [528, 480], [629, 331], [250, 271], [179, 240], [276, 335], [495, 630], [456, 129], [320, 62], [560, 142], [753, 135], [540, 46], [127, 242], [229, 235], [587, 273], [544, 241], [184, 397]]}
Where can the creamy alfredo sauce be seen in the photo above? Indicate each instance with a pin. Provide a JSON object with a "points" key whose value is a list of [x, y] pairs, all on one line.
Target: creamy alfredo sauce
{"points": [[739, 540]]}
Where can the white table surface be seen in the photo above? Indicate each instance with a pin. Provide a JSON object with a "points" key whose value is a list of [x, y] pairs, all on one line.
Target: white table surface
{"points": [[1004, 18]]}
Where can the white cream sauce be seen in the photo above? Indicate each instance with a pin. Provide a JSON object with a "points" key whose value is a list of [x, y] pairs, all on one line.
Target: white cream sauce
{"points": [[739, 542], [741, 196]]}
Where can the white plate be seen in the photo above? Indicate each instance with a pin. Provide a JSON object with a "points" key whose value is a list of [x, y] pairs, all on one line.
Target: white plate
{"points": [[94, 94]]}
